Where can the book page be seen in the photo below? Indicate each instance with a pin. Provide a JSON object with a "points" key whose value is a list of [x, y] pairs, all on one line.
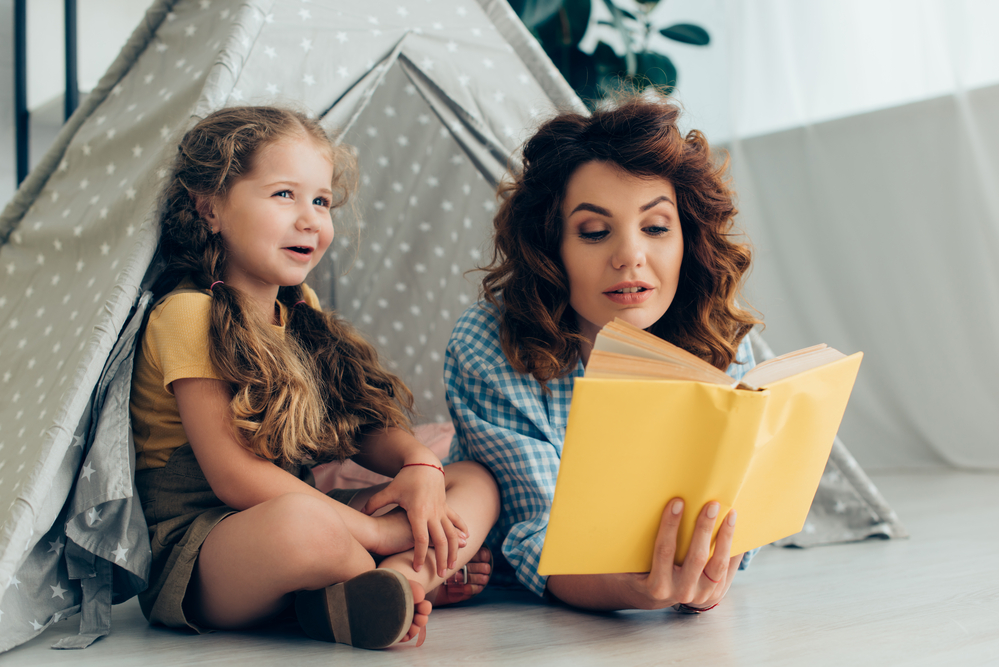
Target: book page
{"points": [[608, 365], [620, 339], [790, 364]]}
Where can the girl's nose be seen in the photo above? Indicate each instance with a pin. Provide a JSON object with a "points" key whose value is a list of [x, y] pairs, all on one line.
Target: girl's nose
{"points": [[308, 220]]}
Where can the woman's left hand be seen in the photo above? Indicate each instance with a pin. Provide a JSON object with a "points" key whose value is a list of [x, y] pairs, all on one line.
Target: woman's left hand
{"points": [[420, 490]]}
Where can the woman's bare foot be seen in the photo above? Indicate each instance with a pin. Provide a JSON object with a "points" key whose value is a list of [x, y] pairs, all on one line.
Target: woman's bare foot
{"points": [[454, 590], [421, 614]]}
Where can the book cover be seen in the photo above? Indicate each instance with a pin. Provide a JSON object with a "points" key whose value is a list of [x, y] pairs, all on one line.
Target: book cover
{"points": [[633, 444]]}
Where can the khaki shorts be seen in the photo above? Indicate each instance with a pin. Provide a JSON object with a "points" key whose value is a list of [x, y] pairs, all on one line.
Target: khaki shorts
{"points": [[181, 510]]}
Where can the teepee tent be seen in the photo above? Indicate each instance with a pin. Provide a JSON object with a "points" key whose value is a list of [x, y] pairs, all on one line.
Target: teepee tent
{"points": [[435, 96]]}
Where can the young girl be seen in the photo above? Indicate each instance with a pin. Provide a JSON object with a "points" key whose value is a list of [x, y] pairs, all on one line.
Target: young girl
{"points": [[242, 383], [614, 215]]}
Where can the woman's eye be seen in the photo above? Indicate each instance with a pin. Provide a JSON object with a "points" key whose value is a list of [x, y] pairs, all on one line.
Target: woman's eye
{"points": [[656, 230], [593, 236]]}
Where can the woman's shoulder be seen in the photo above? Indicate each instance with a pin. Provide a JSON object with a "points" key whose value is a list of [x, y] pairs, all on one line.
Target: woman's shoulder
{"points": [[744, 360], [481, 316], [476, 335]]}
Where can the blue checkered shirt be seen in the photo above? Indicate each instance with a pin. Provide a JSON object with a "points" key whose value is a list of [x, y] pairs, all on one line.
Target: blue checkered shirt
{"points": [[505, 421]]}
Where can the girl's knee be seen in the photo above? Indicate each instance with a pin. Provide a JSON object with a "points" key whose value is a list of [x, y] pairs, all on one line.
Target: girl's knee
{"points": [[312, 530]]}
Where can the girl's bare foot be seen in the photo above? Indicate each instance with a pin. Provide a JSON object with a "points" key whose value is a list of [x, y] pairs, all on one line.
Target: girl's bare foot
{"points": [[421, 614], [454, 589]]}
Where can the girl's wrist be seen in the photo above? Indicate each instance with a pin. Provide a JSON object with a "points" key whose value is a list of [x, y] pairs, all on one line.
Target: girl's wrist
{"points": [[421, 464], [420, 455]]}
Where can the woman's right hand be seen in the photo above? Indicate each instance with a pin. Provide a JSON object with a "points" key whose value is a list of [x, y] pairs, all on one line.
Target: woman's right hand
{"points": [[703, 579]]}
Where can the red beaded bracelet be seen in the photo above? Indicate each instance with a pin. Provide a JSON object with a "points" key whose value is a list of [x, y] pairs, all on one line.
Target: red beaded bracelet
{"points": [[429, 465]]}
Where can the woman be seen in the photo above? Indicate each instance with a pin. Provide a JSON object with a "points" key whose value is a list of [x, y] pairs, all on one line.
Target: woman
{"points": [[614, 215]]}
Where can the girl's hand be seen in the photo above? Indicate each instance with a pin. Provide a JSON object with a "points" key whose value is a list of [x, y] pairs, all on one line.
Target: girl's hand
{"points": [[700, 582], [420, 490]]}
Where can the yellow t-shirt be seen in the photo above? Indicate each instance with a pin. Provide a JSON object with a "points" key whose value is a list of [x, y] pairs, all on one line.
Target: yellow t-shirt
{"points": [[174, 347]]}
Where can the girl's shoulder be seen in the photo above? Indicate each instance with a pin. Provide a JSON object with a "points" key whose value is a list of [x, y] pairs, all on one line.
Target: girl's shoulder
{"points": [[183, 304]]}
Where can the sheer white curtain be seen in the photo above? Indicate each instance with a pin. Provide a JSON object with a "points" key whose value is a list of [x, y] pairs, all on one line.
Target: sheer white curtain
{"points": [[865, 150]]}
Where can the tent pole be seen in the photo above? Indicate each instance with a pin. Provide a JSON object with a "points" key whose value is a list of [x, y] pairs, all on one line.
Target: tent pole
{"points": [[72, 97], [21, 117]]}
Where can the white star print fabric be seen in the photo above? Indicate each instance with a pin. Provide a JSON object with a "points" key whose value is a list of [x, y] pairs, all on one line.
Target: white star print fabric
{"points": [[435, 95]]}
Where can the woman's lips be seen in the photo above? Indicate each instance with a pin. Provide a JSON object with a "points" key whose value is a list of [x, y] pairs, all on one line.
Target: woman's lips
{"points": [[626, 298]]}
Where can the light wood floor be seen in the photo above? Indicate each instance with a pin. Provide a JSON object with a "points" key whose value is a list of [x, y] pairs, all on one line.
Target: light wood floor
{"points": [[930, 600]]}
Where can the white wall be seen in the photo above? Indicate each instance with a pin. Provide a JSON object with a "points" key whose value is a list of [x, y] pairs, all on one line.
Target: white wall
{"points": [[778, 64], [103, 26], [8, 165]]}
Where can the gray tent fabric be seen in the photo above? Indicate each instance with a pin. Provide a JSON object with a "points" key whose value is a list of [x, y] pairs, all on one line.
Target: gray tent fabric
{"points": [[421, 88], [435, 95]]}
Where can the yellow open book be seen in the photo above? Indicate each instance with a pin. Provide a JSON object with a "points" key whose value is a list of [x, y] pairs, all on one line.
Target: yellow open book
{"points": [[650, 422]]}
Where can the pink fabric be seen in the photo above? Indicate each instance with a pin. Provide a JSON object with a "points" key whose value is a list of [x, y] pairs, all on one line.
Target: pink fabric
{"points": [[349, 475]]}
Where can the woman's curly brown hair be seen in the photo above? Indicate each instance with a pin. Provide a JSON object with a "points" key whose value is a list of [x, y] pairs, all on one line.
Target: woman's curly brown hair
{"points": [[305, 397], [526, 280]]}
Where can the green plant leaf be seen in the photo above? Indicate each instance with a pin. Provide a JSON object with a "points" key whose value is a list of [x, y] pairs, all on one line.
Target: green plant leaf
{"points": [[582, 76], [565, 27], [535, 12], [657, 69], [687, 33], [607, 62]]}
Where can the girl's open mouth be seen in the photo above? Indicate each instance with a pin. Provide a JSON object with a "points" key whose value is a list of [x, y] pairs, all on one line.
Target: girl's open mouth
{"points": [[301, 250]]}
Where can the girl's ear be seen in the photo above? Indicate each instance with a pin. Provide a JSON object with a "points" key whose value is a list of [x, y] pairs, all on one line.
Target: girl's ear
{"points": [[206, 210]]}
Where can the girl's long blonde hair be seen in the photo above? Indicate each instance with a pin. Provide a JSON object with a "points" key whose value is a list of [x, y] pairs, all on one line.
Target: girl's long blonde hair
{"points": [[304, 397]]}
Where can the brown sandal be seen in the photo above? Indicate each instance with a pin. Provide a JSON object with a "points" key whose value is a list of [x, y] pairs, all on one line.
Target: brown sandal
{"points": [[372, 610]]}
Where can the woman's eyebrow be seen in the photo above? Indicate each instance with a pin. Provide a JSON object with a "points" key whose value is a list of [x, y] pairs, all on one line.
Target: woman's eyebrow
{"points": [[656, 201], [592, 208]]}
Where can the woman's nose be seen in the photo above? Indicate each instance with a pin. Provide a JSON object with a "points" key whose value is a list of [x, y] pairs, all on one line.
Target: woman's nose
{"points": [[629, 251]]}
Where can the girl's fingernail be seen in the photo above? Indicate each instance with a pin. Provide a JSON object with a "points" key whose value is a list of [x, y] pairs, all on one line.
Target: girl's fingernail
{"points": [[677, 506], [731, 518], [712, 510]]}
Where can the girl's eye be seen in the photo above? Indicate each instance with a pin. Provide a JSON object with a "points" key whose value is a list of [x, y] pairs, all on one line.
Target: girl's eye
{"points": [[322, 201], [593, 236], [284, 193]]}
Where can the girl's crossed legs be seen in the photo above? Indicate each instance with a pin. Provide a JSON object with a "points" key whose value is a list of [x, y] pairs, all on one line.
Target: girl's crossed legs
{"points": [[253, 562]]}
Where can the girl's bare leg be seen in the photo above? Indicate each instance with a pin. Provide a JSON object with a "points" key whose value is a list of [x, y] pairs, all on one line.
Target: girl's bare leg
{"points": [[254, 561], [473, 494]]}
